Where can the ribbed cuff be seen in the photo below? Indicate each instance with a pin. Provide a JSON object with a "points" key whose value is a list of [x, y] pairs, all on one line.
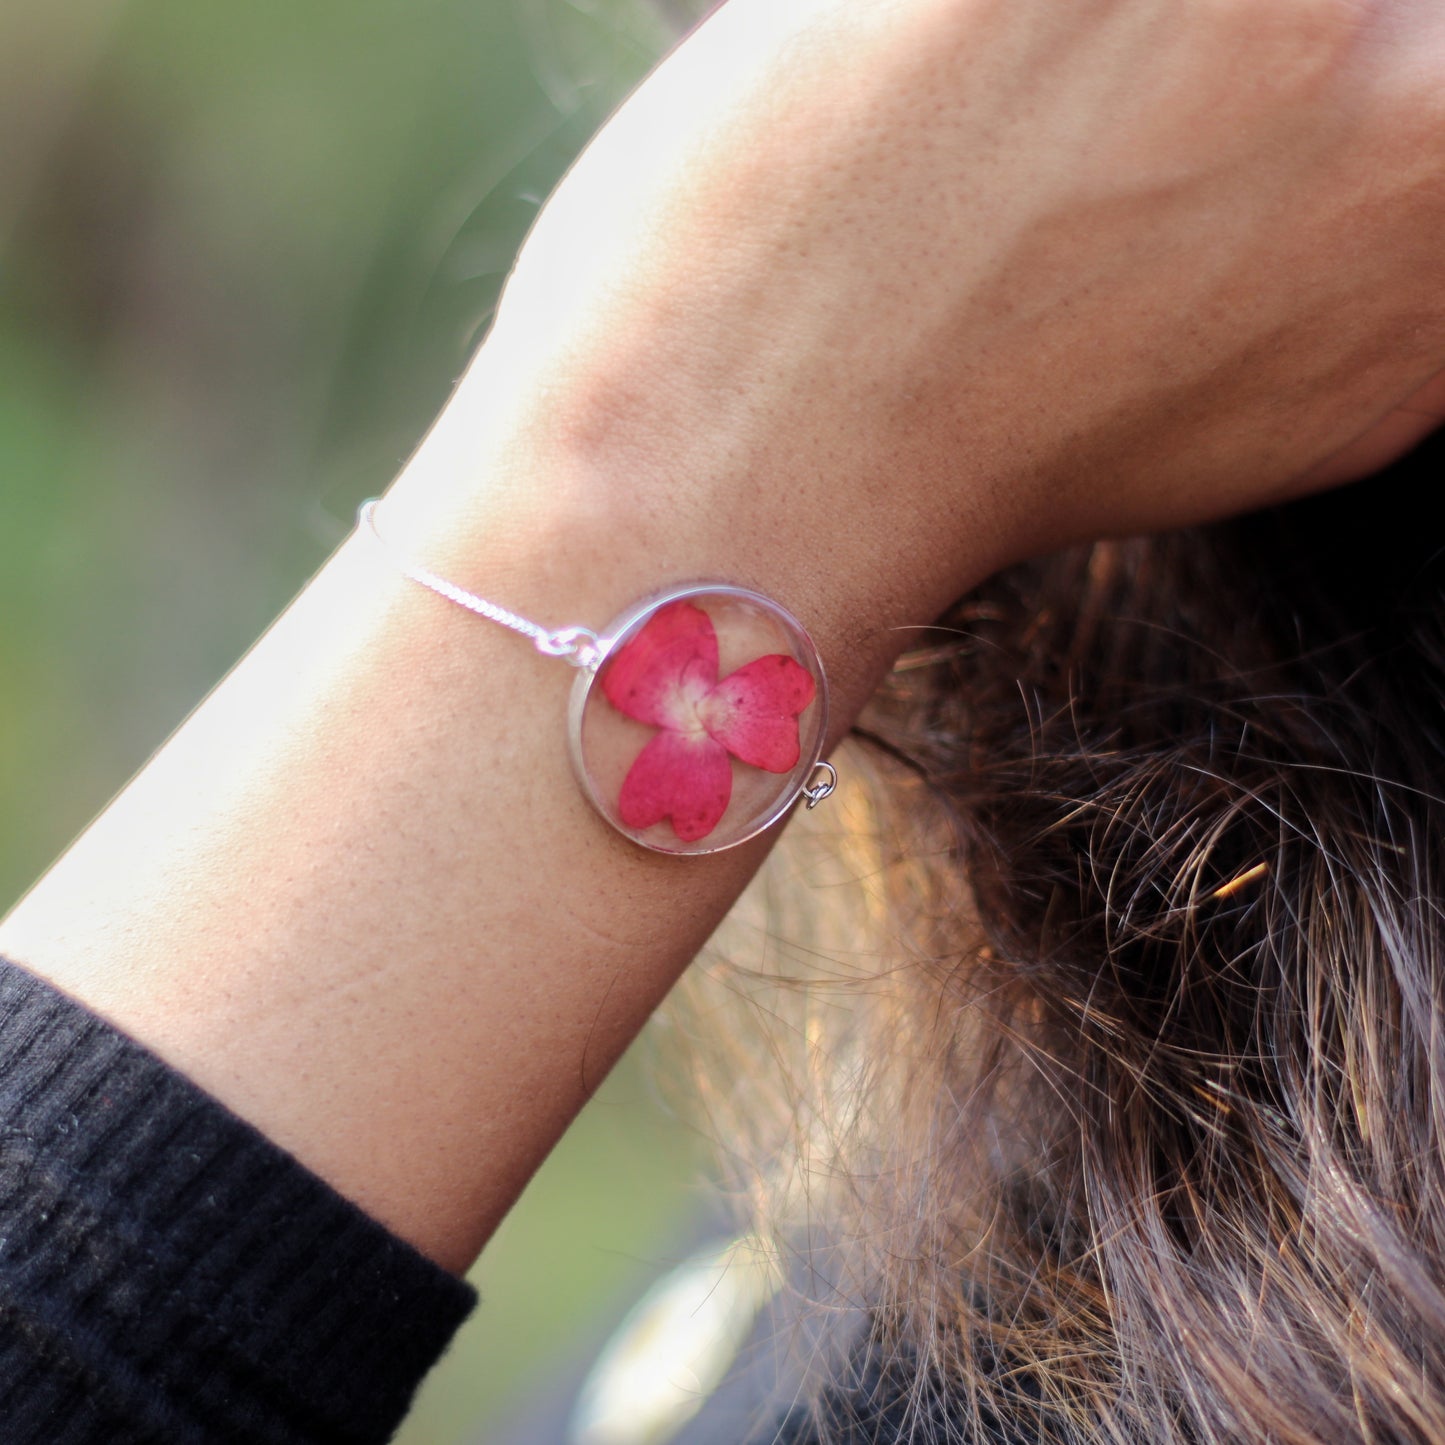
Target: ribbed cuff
{"points": [[169, 1274]]}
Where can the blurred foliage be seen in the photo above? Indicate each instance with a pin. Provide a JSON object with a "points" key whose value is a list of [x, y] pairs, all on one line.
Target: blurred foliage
{"points": [[244, 252]]}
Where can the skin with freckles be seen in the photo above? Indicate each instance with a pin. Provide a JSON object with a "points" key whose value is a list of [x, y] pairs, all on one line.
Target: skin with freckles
{"points": [[852, 304]]}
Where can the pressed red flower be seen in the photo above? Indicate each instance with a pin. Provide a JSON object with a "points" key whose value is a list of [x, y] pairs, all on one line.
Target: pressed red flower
{"points": [[667, 675]]}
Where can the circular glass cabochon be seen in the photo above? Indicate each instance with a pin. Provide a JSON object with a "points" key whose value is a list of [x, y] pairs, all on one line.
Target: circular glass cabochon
{"points": [[704, 721]]}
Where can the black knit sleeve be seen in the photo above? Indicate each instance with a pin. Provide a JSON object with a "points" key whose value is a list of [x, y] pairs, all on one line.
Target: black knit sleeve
{"points": [[168, 1275]]}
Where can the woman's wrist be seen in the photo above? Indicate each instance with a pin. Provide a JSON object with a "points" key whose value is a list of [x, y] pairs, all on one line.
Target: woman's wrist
{"points": [[624, 477]]}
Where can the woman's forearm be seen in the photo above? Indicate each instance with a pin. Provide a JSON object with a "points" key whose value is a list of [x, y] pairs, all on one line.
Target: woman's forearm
{"points": [[851, 304], [359, 896]]}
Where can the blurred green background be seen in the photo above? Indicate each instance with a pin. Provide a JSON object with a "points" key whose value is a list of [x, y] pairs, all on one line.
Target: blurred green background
{"points": [[244, 252]]}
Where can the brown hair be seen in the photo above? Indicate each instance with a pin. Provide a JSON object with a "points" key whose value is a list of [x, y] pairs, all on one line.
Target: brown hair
{"points": [[1129, 1117]]}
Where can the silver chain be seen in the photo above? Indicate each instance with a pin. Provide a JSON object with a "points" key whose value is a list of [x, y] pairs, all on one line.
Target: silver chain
{"points": [[579, 646]]}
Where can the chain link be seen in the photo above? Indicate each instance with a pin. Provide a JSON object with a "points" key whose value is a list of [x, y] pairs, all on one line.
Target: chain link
{"points": [[823, 788]]}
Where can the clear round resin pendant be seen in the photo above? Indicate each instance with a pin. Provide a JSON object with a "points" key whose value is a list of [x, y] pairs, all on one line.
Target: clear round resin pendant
{"points": [[703, 722]]}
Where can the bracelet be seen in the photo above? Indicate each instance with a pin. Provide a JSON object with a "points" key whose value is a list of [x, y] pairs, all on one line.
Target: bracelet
{"points": [[697, 718]]}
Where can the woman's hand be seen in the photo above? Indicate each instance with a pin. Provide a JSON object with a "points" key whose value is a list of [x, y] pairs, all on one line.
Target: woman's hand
{"points": [[950, 281]]}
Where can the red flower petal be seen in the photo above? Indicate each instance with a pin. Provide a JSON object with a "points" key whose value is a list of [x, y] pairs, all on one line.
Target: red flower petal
{"points": [[663, 673], [753, 712], [687, 779]]}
